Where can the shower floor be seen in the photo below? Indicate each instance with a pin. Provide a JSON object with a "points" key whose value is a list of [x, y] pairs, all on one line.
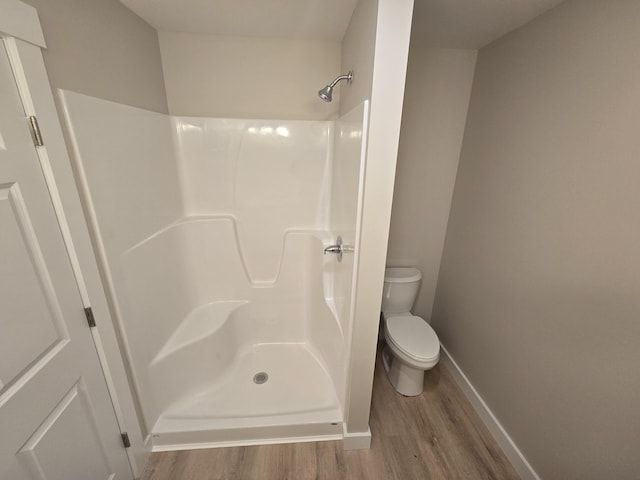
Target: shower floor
{"points": [[236, 410]]}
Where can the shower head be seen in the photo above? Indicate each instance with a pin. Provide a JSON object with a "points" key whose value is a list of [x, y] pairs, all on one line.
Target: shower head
{"points": [[326, 92]]}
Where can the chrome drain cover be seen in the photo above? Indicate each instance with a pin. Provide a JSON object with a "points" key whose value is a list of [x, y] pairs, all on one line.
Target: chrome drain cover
{"points": [[260, 378]]}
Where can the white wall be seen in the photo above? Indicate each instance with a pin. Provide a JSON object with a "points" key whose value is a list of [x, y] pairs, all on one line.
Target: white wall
{"points": [[388, 43], [433, 119], [538, 298], [247, 77]]}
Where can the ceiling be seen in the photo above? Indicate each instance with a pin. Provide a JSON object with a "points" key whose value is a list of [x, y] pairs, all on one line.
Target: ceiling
{"points": [[322, 20], [437, 23], [471, 23]]}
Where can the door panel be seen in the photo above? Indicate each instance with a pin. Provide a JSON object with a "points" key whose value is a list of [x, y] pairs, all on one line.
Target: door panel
{"points": [[73, 420], [56, 418], [32, 322]]}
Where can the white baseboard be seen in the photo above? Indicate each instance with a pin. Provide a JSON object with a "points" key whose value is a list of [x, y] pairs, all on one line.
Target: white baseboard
{"points": [[357, 441], [510, 449]]}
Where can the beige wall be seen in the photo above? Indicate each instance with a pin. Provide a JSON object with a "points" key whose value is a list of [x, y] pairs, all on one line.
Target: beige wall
{"points": [[358, 47], [433, 119], [246, 77], [101, 48], [538, 298]]}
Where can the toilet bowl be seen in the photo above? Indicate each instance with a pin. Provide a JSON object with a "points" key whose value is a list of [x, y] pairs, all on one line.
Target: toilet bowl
{"points": [[412, 345]]}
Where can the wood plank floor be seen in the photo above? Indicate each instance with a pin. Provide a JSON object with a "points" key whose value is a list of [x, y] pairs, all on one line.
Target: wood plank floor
{"points": [[436, 435]]}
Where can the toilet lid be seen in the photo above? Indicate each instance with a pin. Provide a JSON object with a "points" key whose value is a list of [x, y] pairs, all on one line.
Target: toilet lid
{"points": [[413, 336]]}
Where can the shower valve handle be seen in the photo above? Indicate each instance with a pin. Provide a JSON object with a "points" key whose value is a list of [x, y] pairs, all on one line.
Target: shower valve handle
{"points": [[338, 249]]}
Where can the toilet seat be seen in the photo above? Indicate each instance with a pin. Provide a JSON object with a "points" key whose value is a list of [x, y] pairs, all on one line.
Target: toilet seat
{"points": [[413, 336]]}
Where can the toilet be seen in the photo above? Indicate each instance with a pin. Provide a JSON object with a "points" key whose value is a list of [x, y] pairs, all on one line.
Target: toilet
{"points": [[412, 345]]}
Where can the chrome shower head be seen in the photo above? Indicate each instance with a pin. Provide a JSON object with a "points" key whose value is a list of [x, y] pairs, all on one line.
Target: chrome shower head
{"points": [[326, 92]]}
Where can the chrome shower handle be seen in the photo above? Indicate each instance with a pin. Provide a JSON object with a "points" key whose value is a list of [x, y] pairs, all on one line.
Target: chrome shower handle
{"points": [[338, 249], [333, 249]]}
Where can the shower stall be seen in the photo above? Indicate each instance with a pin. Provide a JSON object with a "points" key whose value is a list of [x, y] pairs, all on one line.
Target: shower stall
{"points": [[234, 322]]}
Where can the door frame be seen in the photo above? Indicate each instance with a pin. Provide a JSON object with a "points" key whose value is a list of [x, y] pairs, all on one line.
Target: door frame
{"points": [[22, 34]]}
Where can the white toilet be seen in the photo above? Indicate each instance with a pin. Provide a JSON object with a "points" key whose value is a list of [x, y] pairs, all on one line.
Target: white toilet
{"points": [[412, 345]]}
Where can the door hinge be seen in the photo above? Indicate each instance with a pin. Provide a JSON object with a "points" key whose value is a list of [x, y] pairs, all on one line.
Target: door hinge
{"points": [[36, 135], [125, 440], [88, 312]]}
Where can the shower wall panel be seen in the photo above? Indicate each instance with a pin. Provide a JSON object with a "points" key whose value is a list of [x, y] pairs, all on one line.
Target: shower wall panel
{"points": [[128, 179], [344, 220], [128, 155], [272, 176]]}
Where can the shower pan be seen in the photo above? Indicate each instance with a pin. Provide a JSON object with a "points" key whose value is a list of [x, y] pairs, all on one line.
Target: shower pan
{"points": [[210, 234]]}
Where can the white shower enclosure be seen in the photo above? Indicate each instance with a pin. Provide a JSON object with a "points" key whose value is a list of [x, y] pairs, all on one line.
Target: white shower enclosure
{"points": [[210, 233]]}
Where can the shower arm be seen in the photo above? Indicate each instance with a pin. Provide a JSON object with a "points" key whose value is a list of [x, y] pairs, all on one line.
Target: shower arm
{"points": [[346, 77], [325, 92]]}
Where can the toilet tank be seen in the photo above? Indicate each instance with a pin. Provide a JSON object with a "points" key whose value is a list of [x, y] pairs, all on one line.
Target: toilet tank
{"points": [[400, 290]]}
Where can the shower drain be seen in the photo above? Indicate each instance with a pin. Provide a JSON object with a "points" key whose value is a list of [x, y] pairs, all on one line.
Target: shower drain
{"points": [[260, 378]]}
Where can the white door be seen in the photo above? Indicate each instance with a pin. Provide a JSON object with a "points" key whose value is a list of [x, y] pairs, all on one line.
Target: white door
{"points": [[56, 417]]}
